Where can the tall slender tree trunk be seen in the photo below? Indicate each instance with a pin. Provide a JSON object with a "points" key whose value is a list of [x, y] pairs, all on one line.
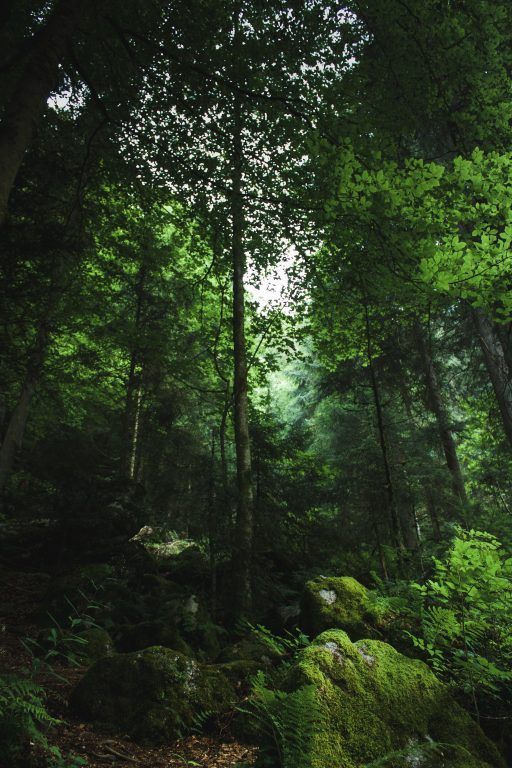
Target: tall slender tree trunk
{"points": [[212, 527], [15, 430], [30, 93], [381, 552], [496, 364], [409, 528], [128, 418], [244, 520], [429, 501], [133, 388], [226, 497], [394, 519], [436, 403], [432, 511], [135, 435]]}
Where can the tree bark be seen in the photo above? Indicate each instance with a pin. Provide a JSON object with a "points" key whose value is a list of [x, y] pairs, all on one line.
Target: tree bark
{"points": [[394, 519], [409, 528], [133, 387], [212, 527], [226, 496], [244, 520], [435, 399], [432, 511], [30, 93], [135, 436], [382, 554], [503, 332], [429, 501], [496, 364], [13, 437]]}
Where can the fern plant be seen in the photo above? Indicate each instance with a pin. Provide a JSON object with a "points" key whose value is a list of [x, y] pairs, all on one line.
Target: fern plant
{"points": [[287, 721], [280, 645], [466, 613], [22, 715]]}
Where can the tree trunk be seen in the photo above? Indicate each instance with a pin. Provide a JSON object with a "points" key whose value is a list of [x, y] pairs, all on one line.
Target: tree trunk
{"points": [[432, 511], [212, 528], [390, 494], [135, 438], [30, 93], [16, 425], [244, 520], [409, 528], [443, 423], [382, 554], [429, 500], [133, 387], [224, 463], [129, 418], [496, 364], [504, 334]]}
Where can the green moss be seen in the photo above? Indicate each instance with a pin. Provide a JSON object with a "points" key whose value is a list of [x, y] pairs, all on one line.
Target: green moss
{"points": [[99, 644], [339, 602], [155, 695], [184, 560], [376, 702]]}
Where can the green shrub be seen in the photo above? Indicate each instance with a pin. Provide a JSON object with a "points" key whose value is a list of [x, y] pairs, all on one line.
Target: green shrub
{"points": [[466, 614]]}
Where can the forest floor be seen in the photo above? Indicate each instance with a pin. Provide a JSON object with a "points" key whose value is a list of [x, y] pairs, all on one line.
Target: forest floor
{"points": [[20, 594]]}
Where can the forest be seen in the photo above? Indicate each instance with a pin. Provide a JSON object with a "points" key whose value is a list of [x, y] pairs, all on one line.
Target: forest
{"points": [[256, 383]]}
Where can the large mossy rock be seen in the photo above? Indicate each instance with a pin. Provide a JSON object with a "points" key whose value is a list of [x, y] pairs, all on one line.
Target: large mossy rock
{"points": [[97, 644], [375, 702], [155, 695], [340, 602], [182, 560]]}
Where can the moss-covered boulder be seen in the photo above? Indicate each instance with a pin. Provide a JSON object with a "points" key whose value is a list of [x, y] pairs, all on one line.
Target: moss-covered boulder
{"points": [[340, 602], [155, 695], [184, 561], [97, 644], [374, 702]]}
